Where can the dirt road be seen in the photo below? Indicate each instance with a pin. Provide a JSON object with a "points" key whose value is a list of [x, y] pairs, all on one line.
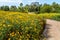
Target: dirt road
{"points": [[52, 31]]}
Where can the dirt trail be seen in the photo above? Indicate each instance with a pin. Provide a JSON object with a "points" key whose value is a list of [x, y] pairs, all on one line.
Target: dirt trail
{"points": [[52, 31]]}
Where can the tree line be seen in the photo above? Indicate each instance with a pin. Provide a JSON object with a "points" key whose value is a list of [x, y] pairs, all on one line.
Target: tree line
{"points": [[34, 7]]}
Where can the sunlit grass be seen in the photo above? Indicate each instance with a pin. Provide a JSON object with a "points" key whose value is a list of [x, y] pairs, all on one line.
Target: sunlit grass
{"points": [[19, 26]]}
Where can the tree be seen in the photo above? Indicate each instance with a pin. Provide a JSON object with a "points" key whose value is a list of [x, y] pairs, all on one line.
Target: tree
{"points": [[13, 8], [26, 8], [34, 7], [21, 4], [35, 3], [46, 8], [55, 7], [21, 8], [2, 8], [5, 8]]}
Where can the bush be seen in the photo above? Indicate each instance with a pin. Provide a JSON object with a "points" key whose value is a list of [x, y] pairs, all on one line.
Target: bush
{"points": [[57, 17], [20, 26]]}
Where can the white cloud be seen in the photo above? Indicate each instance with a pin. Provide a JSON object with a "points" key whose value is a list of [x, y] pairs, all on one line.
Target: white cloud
{"points": [[19, 1]]}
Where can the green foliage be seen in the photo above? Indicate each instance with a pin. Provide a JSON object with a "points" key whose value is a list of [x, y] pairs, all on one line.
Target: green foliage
{"points": [[46, 8], [54, 16], [34, 7], [26, 8], [5, 8], [21, 4], [16, 26], [55, 7], [13, 8], [57, 17]]}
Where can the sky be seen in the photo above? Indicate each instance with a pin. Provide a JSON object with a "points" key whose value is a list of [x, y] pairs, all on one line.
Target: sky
{"points": [[17, 2]]}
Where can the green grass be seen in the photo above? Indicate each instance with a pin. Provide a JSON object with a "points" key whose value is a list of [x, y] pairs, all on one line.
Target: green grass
{"points": [[20, 26], [54, 16]]}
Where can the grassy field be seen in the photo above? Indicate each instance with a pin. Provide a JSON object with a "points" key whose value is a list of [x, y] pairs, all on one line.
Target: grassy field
{"points": [[23, 26], [20, 26], [54, 16]]}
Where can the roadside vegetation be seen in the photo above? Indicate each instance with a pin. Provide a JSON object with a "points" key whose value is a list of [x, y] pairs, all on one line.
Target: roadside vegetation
{"points": [[33, 7], [53, 16], [19, 26], [26, 22]]}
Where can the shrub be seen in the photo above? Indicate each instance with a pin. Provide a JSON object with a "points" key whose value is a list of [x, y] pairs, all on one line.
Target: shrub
{"points": [[54, 16], [57, 17], [20, 26]]}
